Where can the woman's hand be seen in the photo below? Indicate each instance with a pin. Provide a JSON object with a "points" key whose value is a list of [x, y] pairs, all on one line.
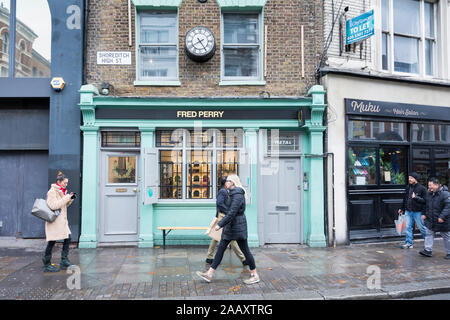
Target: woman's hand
{"points": [[217, 228]]}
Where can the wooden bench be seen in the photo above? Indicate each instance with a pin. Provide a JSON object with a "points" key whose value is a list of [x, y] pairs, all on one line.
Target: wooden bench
{"points": [[177, 228]]}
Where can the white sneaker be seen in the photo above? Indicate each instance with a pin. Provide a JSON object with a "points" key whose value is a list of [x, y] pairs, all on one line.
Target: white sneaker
{"points": [[407, 246], [252, 279], [204, 276]]}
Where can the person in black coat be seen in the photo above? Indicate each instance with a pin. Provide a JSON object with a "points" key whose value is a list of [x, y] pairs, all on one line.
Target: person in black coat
{"points": [[413, 206], [222, 209], [234, 226], [436, 216]]}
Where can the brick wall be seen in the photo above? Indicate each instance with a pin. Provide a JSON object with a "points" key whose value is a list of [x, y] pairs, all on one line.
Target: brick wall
{"points": [[108, 31]]}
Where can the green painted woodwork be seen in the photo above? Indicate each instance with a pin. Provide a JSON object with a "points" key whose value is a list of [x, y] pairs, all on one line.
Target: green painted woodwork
{"points": [[197, 213], [157, 4], [146, 212], [88, 237]]}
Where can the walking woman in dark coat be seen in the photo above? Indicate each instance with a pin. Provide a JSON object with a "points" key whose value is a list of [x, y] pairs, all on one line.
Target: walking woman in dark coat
{"points": [[234, 226]]}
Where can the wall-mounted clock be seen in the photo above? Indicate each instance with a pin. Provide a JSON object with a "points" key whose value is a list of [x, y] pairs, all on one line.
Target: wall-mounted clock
{"points": [[200, 44]]}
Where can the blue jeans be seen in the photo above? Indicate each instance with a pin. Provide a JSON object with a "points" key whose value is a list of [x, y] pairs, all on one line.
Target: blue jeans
{"points": [[410, 217]]}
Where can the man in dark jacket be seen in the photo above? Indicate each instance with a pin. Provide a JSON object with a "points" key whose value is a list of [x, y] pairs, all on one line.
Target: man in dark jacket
{"points": [[413, 206], [437, 216]]}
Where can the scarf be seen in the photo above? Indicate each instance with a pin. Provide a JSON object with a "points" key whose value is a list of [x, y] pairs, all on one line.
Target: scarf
{"points": [[64, 190]]}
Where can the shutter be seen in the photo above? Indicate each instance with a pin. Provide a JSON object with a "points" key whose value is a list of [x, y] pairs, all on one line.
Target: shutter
{"points": [[245, 172], [151, 176]]}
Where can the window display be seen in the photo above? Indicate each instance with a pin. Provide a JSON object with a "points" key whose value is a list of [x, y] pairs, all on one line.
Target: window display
{"points": [[392, 165], [361, 165], [192, 162]]}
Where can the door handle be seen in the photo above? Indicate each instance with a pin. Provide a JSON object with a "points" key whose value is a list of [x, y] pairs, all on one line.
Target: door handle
{"points": [[135, 190]]}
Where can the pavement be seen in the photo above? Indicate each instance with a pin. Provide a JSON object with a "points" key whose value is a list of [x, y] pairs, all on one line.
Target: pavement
{"points": [[287, 272]]}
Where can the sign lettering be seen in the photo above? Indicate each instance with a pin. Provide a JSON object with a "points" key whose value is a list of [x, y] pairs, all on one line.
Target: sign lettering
{"points": [[74, 20], [114, 57], [360, 28], [396, 110]]}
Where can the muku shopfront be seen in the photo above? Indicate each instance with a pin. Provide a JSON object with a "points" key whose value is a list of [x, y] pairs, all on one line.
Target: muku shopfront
{"points": [[156, 161], [385, 142]]}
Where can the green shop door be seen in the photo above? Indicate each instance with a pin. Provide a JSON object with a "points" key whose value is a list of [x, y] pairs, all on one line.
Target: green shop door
{"points": [[119, 194]]}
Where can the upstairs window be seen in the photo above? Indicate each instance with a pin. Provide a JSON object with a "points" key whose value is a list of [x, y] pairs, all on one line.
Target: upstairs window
{"points": [[158, 46], [241, 46], [408, 41]]}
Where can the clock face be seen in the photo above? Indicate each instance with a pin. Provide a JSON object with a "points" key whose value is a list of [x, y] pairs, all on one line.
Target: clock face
{"points": [[200, 44]]}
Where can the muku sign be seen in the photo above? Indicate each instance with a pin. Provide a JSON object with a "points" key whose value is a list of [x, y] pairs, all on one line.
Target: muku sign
{"points": [[396, 110], [360, 27]]}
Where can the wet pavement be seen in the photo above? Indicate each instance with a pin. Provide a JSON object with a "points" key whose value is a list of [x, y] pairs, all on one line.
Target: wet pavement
{"points": [[286, 272]]}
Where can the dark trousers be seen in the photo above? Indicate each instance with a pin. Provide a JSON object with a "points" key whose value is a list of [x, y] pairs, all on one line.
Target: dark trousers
{"points": [[243, 245], [51, 244]]}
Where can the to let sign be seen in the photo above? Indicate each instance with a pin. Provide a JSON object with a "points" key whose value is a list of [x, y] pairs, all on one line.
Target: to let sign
{"points": [[360, 28], [113, 57]]}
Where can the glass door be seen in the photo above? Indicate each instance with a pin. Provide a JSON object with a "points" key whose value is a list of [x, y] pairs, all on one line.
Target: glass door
{"points": [[442, 164], [422, 164]]}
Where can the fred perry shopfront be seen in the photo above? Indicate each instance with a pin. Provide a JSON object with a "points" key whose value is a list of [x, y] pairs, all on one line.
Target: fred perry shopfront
{"points": [[150, 162]]}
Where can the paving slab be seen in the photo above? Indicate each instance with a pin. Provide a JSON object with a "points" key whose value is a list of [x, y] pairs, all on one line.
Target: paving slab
{"points": [[287, 272]]}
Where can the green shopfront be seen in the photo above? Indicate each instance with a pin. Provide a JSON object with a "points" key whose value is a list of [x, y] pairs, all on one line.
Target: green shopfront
{"points": [[154, 161]]}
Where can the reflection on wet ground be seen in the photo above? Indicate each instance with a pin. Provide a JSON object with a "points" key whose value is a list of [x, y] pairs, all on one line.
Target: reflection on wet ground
{"points": [[139, 273]]}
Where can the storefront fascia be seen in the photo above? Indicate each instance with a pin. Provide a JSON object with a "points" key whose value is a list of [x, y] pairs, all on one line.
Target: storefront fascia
{"points": [[200, 213], [393, 91]]}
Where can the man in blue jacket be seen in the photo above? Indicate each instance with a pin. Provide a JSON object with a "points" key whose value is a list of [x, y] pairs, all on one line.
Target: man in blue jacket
{"points": [[437, 216], [413, 206]]}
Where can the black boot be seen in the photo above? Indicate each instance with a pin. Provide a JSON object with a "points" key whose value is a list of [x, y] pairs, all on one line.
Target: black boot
{"points": [[65, 263], [48, 267]]}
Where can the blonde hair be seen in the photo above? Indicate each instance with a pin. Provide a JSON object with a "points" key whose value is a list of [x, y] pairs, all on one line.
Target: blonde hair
{"points": [[237, 182]]}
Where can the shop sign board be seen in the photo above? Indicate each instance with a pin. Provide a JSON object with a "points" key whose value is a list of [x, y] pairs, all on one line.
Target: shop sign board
{"points": [[206, 114], [396, 110], [360, 27]]}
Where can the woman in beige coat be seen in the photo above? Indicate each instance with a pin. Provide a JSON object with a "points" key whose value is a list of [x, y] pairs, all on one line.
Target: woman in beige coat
{"points": [[58, 199]]}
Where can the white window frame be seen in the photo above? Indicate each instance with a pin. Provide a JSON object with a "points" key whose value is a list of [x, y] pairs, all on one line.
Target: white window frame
{"points": [[390, 43], [164, 81], [259, 79]]}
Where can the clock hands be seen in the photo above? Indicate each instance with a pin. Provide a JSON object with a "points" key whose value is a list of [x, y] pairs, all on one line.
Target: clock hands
{"points": [[201, 42]]}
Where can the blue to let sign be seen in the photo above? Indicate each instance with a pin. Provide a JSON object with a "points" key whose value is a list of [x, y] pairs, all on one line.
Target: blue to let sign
{"points": [[360, 28]]}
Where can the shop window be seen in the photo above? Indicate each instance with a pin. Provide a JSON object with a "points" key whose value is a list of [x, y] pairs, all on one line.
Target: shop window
{"points": [[361, 165], [422, 132], [122, 169], [121, 139], [158, 46], [409, 43], [376, 130], [441, 160], [227, 163], [241, 47], [392, 165], [194, 161], [284, 142], [170, 162], [198, 168]]}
